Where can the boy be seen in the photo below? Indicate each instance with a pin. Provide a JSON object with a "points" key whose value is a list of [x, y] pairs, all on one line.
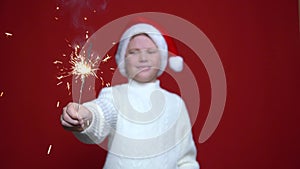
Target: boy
{"points": [[147, 127]]}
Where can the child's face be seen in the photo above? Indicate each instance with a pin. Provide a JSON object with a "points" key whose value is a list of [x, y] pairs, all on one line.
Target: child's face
{"points": [[142, 60]]}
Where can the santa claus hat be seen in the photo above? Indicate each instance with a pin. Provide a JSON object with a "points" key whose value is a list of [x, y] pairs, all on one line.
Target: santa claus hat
{"points": [[164, 43]]}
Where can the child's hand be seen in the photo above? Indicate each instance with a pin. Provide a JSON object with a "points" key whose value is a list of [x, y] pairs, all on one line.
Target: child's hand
{"points": [[74, 120]]}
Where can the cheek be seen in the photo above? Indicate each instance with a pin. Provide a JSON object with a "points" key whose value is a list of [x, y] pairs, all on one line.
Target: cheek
{"points": [[129, 65], [157, 61]]}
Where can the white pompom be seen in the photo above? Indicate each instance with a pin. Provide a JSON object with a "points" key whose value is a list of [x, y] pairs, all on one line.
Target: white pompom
{"points": [[176, 63]]}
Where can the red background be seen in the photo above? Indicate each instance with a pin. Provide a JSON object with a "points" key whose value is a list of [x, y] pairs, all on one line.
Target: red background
{"points": [[258, 43]]}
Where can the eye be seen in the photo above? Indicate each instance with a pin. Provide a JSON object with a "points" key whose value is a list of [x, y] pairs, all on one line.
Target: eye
{"points": [[152, 51], [133, 51]]}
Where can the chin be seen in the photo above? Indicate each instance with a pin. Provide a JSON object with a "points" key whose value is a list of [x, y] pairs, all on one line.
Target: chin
{"points": [[144, 79], [145, 76]]}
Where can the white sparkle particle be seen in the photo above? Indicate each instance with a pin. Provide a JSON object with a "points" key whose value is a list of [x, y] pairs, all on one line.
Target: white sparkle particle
{"points": [[59, 83], [49, 149], [8, 34]]}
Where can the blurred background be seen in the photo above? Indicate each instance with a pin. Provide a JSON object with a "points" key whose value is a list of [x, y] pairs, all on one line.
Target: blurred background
{"points": [[258, 44]]}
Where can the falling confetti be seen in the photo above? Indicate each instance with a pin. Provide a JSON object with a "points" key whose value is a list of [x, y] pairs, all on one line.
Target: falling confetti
{"points": [[49, 149], [57, 104], [1, 94]]}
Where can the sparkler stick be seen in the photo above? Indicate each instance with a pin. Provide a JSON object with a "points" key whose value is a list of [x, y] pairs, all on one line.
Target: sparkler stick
{"points": [[82, 67]]}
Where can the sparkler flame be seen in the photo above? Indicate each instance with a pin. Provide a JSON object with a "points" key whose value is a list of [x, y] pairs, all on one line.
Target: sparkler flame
{"points": [[82, 68], [83, 65]]}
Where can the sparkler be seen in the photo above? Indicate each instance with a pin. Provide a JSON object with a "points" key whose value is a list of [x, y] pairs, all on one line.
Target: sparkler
{"points": [[83, 67]]}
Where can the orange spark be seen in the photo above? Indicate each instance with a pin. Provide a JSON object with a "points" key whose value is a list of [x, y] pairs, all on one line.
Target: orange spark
{"points": [[106, 58], [49, 149], [57, 61], [8, 34]]}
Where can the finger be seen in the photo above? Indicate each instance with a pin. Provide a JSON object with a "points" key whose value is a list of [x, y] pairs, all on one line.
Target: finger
{"points": [[66, 124], [72, 111], [66, 117], [69, 126], [76, 128]]}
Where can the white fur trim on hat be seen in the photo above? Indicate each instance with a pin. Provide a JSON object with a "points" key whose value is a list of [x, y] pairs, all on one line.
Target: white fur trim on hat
{"points": [[153, 33]]}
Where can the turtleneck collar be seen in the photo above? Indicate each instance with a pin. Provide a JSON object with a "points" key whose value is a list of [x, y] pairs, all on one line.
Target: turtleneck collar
{"points": [[135, 84], [143, 88]]}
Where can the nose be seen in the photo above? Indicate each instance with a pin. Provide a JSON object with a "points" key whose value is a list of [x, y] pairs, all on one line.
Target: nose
{"points": [[143, 57]]}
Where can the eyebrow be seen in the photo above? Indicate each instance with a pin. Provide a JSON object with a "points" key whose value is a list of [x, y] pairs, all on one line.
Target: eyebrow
{"points": [[151, 48]]}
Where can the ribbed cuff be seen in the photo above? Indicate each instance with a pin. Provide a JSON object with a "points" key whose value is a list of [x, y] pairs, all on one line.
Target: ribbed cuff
{"points": [[92, 134]]}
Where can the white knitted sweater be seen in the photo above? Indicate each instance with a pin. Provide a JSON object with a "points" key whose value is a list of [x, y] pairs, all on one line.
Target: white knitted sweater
{"points": [[147, 128]]}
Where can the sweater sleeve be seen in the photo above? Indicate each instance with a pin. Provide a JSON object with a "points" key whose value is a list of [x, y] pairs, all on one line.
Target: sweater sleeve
{"points": [[188, 153], [103, 121], [187, 148]]}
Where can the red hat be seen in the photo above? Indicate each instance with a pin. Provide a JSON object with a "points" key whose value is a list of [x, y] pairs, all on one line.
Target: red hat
{"points": [[160, 38]]}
